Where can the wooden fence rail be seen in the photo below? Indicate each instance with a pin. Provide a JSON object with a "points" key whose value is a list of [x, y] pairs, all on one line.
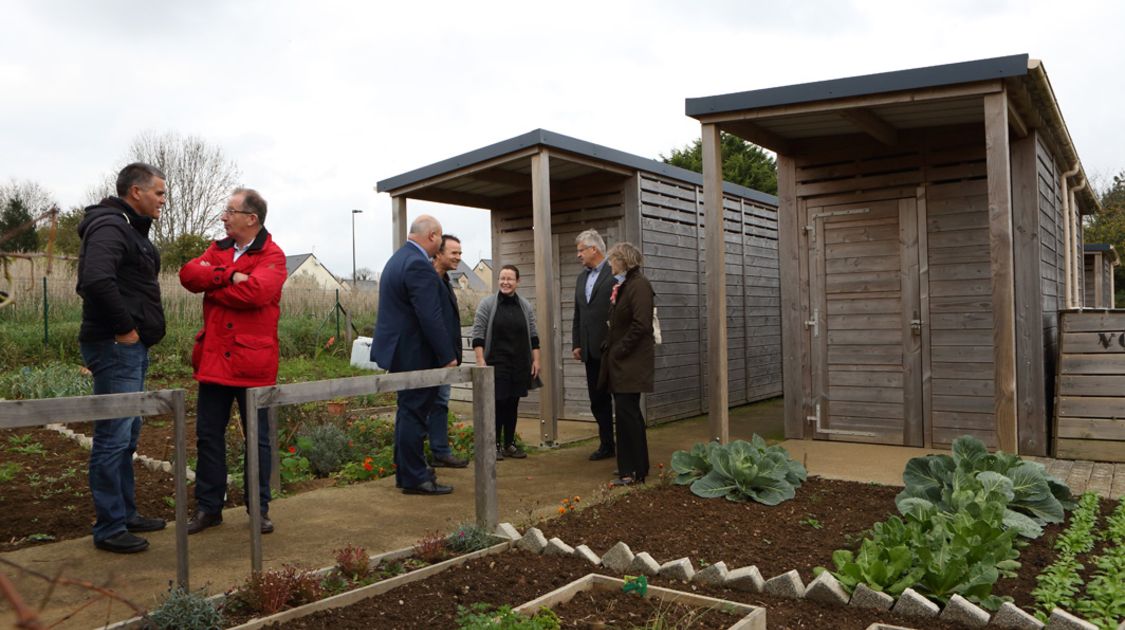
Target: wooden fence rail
{"points": [[484, 429], [36, 413]]}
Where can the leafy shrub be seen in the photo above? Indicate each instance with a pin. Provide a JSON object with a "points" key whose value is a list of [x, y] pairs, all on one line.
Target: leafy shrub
{"points": [[431, 548], [184, 610], [938, 553], [468, 538], [740, 471], [327, 448], [482, 616], [271, 591], [52, 380], [1037, 498], [294, 467], [353, 562], [381, 464]]}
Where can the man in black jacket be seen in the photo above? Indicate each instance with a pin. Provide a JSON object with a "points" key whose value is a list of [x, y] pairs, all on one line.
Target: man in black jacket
{"points": [[447, 259], [591, 311], [118, 270]]}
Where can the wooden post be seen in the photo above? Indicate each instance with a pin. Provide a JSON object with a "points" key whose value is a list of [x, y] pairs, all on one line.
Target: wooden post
{"points": [[484, 441], [1000, 245], [178, 409], [546, 296], [253, 502], [275, 452], [716, 280], [398, 222], [1099, 282], [1031, 378]]}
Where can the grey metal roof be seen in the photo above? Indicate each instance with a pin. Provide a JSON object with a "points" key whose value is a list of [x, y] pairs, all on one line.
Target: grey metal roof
{"points": [[912, 79], [293, 262], [1098, 247], [465, 271], [550, 139]]}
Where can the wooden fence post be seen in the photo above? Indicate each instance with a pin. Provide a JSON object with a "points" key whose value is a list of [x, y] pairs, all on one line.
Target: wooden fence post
{"points": [[253, 502], [484, 442], [179, 405]]}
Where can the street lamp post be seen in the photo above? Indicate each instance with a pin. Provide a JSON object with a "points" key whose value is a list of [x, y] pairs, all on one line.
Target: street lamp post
{"points": [[354, 212]]}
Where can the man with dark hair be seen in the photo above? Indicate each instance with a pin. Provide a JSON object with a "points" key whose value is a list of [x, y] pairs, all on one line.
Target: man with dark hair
{"points": [[411, 334], [240, 278], [118, 270], [591, 312], [448, 258]]}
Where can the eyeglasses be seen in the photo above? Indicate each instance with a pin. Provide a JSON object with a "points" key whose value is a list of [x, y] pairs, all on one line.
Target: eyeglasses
{"points": [[228, 212]]}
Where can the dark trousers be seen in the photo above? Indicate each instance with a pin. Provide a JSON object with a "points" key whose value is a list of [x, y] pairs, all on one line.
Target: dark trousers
{"points": [[118, 368], [601, 405], [411, 427], [632, 441], [438, 423], [506, 409], [212, 417]]}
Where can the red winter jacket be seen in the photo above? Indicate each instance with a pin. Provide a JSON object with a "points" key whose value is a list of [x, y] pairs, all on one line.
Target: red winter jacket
{"points": [[238, 343]]}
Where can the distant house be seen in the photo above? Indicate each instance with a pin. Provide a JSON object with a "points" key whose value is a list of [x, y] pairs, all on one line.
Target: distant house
{"points": [[484, 271], [306, 270], [467, 279]]}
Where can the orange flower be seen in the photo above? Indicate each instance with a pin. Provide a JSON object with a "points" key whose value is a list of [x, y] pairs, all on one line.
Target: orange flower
{"points": [[292, 449], [562, 510], [331, 340], [381, 470], [367, 466]]}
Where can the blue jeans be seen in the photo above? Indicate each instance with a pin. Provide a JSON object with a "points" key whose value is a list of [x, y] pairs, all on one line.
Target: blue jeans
{"points": [[212, 416], [438, 423], [118, 368]]}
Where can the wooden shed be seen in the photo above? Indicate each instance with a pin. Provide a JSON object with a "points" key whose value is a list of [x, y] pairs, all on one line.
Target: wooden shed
{"points": [[929, 237], [1100, 261], [542, 189]]}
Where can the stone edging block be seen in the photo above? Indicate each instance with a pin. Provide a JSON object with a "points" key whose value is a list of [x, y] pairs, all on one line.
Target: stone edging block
{"points": [[827, 589], [644, 564], [712, 575], [1013, 617], [587, 554], [787, 584], [619, 558], [1062, 620], [533, 540], [678, 570], [866, 597], [507, 531], [913, 604], [556, 547], [747, 579], [961, 610]]}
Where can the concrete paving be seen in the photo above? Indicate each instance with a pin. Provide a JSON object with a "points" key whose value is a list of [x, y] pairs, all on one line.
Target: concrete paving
{"points": [[378, 517]]}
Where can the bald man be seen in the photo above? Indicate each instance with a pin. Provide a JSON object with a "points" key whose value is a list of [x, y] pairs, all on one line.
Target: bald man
{"points": [[410, 334]]}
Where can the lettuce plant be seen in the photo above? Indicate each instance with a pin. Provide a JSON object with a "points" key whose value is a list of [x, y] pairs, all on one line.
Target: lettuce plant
{"points": [[740, 471], [1036, 497]]}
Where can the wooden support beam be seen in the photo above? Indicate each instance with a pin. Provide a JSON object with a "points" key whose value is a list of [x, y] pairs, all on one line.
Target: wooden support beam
{"points": [[757, 134], [546, 295], [34, 413], [1000, 244], [793, 334], [179, 406], [510, 158], [455, 198], [1016, 122], [398, 222], [716, 281], [484, 441], [253, 501], [870, 123], [1031, 378]]}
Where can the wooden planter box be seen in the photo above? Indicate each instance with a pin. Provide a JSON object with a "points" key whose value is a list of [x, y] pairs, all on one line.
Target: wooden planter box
{"points": [[350, 597], [1090, 390], [752, 617]]}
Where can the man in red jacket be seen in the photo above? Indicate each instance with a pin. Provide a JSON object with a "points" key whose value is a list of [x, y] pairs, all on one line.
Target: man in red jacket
{"points": [[240, 277]]}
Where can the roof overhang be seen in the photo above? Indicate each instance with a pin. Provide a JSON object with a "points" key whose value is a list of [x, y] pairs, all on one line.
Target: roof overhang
{"points": [[499, 175], [884, 106], [1105, 249]]}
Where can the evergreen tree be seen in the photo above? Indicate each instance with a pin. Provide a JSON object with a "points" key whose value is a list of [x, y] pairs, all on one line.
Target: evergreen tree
{"points": [[743, 163], [15, 216]]}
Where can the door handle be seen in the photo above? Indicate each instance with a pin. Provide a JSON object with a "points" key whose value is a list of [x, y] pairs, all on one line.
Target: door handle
{"points": [[916, 327]]}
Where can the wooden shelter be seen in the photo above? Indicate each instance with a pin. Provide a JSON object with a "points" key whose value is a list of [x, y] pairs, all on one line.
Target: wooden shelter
{"points": [[544, 188], [1100, 261], [929, 236]]}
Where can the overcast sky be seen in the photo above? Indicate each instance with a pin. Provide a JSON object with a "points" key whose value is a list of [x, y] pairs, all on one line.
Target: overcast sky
{"points": [[317, 101]]}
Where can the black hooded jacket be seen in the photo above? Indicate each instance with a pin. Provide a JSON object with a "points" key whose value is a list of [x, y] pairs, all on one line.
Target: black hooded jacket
{"points": [[118, 274]]}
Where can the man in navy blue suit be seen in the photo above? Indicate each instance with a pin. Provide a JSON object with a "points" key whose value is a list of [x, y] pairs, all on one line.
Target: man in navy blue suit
{"points": [[411, 335]]}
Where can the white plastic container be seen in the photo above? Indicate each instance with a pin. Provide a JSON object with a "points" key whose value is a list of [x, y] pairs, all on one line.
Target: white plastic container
{"points": [[361, 354]]}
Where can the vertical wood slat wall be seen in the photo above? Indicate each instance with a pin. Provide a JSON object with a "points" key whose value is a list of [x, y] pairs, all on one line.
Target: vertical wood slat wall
{"points": [[1091, 386], [947, 168], [670, 226]]}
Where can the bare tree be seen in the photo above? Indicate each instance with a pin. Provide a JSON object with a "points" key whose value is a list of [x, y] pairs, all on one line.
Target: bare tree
{"points": [[200, 178], [34, 197]]}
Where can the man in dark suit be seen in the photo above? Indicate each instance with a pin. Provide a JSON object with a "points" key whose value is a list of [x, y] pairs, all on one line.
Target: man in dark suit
{"points": [[591, 311], [410, 334], [447, 259]]}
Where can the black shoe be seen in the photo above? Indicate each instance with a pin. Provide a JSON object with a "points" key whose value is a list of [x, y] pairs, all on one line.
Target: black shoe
{"points": [[514, 452], [449, 461], [499, 453], [202, 520], [601, 453], [267, 525], [141, 524], [626, 481], [122, 543], [428, 487]]}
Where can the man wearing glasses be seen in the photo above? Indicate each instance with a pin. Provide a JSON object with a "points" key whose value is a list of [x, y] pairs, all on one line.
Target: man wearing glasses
{"points": [[591, 311], [240, 278]]}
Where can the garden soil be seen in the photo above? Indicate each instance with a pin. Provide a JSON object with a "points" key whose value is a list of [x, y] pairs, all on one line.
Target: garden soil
{"points": [[378, 517]]}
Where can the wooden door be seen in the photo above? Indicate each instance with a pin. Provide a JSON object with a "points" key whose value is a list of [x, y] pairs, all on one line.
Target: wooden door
{"points": [[865, 325]]}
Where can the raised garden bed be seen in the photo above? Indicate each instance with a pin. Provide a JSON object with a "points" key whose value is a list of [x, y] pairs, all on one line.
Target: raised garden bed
{"points": [[597, 601]]}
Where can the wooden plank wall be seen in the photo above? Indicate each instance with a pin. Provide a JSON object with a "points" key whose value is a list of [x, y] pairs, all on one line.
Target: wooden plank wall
{"points": [[672, 242], [945, 168], [1052, 264], [1091, 386], [573, 209]]}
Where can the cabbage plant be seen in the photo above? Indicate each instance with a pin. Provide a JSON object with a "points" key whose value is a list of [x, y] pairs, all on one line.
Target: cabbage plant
{"points": [[740, 471]]}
